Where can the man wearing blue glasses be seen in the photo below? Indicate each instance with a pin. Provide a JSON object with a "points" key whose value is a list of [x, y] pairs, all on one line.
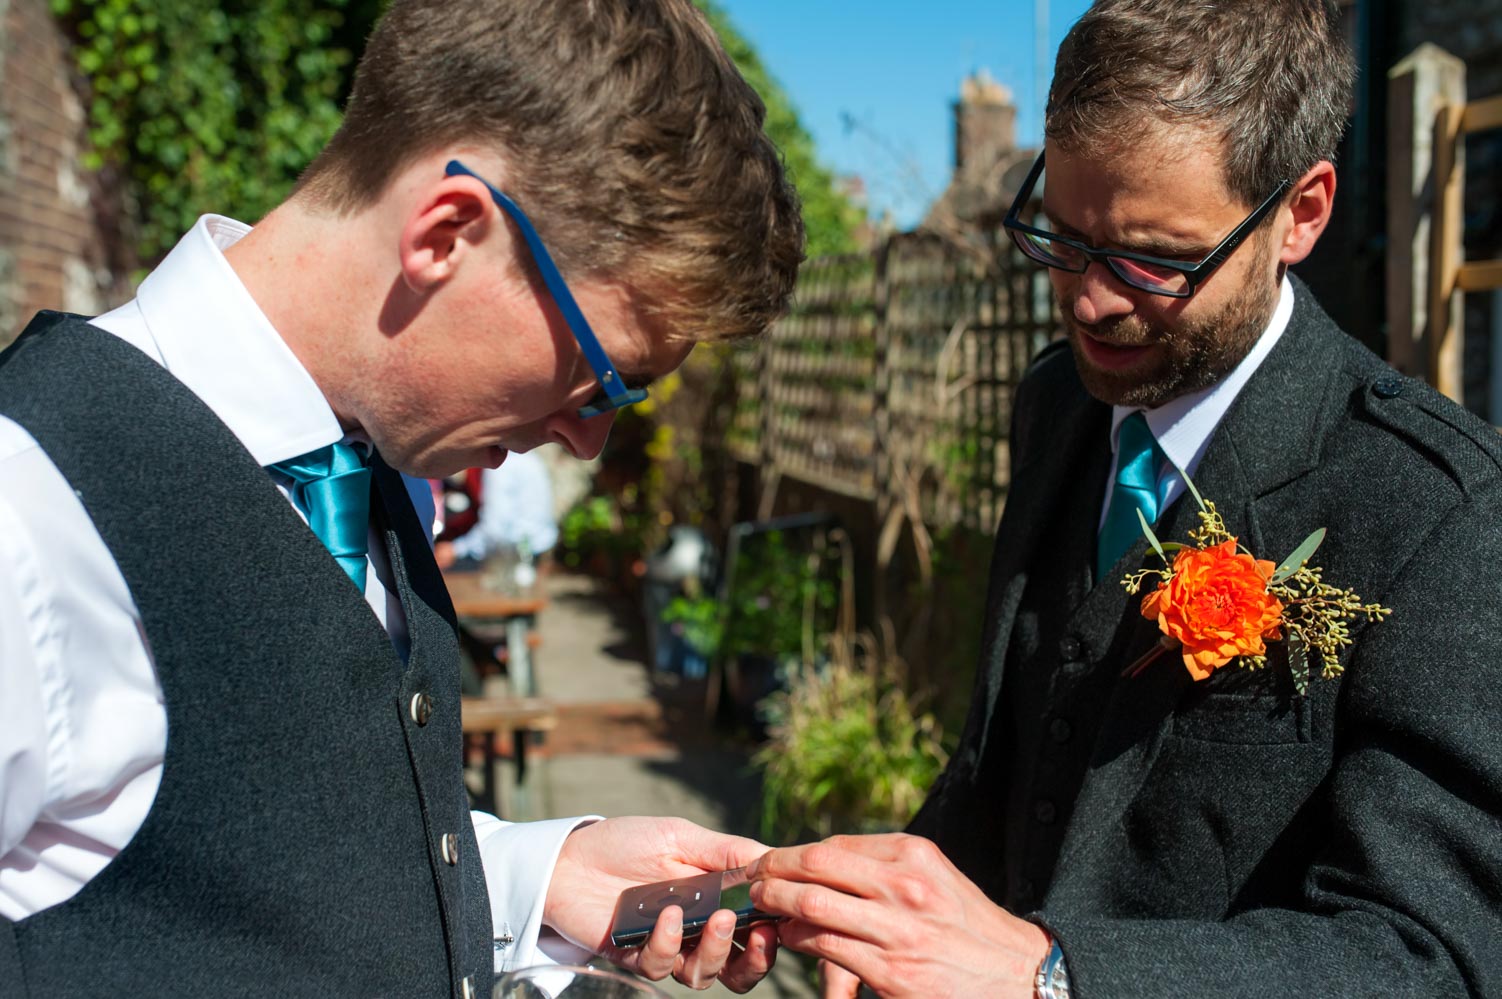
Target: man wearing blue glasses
{"points": [[1105, 836], [229, 700]]}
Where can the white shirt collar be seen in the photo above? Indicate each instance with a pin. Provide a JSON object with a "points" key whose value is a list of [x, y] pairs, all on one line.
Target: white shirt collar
{"points": [[1184, 425], [194, 317]]}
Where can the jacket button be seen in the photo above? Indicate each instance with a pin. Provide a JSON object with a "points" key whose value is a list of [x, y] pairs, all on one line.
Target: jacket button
{"points": [[1060, 730], [450, 846], [421, 708], [1069, 647], [1044, 811], [1388, 387]]}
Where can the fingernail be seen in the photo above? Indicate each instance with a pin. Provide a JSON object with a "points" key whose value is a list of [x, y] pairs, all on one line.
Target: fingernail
{"points": [[723, 932], [753, 868]]}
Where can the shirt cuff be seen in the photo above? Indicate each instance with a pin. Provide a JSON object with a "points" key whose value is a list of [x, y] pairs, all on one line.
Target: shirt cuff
{"points": [[519, 858]]}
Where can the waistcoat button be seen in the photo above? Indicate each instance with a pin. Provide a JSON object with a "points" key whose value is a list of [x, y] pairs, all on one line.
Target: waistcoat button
{"points": [[1060, 730], [1069, 647], [421, 708], [450, 845], [1044, 811]]}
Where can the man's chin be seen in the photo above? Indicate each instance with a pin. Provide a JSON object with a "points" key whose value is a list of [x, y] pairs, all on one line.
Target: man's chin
{"points": [[1120, 378]]}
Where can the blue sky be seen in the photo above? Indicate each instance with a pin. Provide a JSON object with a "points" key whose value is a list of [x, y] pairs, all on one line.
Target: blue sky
{"points": [[894, 67]]}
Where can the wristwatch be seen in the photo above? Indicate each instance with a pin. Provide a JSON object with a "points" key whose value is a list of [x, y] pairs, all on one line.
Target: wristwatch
{"points": [[1052, 980]]}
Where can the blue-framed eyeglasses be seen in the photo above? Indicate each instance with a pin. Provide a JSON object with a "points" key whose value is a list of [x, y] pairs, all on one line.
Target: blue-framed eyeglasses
{"points": [[613, 394]]}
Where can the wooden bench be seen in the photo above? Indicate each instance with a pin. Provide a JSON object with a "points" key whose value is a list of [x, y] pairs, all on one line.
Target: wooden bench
{"points": [[483, 720]]}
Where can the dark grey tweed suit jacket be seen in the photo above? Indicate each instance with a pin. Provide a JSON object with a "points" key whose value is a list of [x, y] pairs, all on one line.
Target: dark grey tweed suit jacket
{"points": [[1230, 839]]}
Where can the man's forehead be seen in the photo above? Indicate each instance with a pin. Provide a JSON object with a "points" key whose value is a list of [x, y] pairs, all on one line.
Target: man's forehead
{"points": [[1171, 189]]}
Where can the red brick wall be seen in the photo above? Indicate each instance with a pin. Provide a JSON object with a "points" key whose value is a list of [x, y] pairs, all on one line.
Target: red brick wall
{"points": [[53, 251]]}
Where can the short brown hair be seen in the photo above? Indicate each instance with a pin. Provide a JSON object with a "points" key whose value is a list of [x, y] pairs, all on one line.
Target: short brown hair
{"points": [[632, 143], [1272, 77]]}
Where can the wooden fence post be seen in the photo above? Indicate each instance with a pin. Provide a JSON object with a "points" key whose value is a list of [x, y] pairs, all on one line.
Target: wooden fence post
{"points": [[1426, 93]]}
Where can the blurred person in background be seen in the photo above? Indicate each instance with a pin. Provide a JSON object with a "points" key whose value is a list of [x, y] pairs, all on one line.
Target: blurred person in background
{"points": [[516, 515]]}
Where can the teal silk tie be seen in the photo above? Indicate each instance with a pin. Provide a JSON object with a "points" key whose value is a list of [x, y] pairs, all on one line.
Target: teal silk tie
{"points": [[1138, 459], [331, 486]]}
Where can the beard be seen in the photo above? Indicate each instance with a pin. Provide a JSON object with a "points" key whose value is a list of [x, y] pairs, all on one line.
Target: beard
{"points": [[1186, 357]]}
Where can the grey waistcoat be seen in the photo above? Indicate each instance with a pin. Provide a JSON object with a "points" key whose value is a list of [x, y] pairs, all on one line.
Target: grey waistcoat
{"points": [[296, 846]]}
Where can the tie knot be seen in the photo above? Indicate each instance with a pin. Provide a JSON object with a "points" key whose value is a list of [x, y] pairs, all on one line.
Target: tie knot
{"points": [[331, 486], [321, 463], [1137, 453]]}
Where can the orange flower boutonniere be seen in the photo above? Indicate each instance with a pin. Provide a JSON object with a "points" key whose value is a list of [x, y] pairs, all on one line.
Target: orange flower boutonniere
{"points": [[1215, 603]]}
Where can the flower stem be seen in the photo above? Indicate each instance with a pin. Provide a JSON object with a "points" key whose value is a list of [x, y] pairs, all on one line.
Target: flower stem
{"points": [[1149, 657]]}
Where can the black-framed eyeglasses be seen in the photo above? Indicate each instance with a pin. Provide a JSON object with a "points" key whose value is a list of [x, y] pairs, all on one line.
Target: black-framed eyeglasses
{"points": [[1156, 275], [613, 394]]}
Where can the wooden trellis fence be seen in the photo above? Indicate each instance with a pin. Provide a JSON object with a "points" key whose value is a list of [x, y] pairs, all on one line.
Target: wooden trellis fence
{"points": [[892, 379]]}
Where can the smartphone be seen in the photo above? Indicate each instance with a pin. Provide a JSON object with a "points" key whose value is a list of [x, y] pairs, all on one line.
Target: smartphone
{"points": [[699, 897]]}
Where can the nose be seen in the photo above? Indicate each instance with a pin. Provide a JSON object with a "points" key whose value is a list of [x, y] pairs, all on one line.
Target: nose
{"points": [[1099, 294], [584, 439]]}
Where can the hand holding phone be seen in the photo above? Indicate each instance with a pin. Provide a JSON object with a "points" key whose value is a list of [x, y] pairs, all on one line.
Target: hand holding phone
{"points": [[699, 897]]}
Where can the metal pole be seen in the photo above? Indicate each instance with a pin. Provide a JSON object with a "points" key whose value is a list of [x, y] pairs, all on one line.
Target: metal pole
{"points": [[1040, 60]]}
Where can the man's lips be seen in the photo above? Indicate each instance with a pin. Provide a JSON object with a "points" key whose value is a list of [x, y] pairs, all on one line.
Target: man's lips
{"points": [[1113, 357]]}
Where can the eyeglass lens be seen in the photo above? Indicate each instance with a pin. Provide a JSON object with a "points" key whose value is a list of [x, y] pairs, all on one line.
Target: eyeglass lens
{"points": [[1137, 273]]}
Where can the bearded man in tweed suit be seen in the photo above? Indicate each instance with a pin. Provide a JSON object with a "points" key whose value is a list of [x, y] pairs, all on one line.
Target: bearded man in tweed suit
{"points": [[1106, 836]]}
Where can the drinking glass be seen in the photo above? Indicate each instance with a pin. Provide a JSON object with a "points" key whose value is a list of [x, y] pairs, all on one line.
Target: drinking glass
{"points": [[562, 981]]}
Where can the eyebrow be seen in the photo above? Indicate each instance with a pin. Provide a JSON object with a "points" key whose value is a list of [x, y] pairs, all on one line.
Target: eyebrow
{"points": [[1153, 246]]}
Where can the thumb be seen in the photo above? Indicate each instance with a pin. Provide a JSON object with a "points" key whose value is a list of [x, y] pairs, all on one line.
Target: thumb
{"points": [[838, 983]]}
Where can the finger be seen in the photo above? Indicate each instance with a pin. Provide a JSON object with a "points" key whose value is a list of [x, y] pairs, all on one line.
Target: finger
{"points": [[655, 959], [827, 909], [858, 958], [701, 966], [837, 983], [754, 963], [855, 864], [712, 851]]}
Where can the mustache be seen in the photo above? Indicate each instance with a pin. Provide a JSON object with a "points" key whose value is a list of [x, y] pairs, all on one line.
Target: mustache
{"points": [[1121, 331]]}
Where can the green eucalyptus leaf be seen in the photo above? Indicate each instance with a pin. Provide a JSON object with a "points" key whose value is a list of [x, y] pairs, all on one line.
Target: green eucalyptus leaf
{"points": [[1298, 663], [1152, 538], [1173, 546], [1300, 555], [1189, 484]]}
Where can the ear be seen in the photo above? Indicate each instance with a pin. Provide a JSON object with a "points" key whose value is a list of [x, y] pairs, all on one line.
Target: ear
{"points": [[450, 217], [1311, 203]]}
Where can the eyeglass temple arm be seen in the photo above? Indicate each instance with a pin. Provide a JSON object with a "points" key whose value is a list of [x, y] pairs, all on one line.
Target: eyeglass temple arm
{"points": [[594, 354]]}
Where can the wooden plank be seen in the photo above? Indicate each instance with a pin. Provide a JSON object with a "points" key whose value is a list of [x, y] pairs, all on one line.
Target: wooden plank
{"points": [[1482, 116], [1427, 80], [1479, 275], [506, 714], [1443, 336]]}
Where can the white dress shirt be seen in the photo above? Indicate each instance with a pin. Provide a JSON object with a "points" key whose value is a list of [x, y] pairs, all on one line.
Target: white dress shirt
{"points": [[83, 729], [1183, 426]]}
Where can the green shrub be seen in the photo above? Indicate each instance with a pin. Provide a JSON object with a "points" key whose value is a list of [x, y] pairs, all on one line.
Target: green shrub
{"points": [[847, 753]]}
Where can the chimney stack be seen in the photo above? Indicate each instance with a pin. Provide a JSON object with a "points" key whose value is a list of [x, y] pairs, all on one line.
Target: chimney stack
{"points": [[985, 125]]}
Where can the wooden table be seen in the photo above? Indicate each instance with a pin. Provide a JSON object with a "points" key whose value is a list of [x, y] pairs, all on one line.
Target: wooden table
{"points": [[476, 604], [484, 719]]}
